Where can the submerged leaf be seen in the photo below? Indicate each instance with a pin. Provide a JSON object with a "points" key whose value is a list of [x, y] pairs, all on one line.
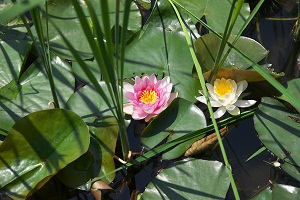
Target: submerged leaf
{"points": [[241, 74], [205, 143]]}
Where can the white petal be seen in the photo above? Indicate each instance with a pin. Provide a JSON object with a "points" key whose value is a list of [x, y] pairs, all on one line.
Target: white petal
{"points": [[241, 87], [220, 112], [128, 108], [214, 103], [235, 111], [230, 107], [244, 103], [201, 99], [211, 91], [128, 87]]}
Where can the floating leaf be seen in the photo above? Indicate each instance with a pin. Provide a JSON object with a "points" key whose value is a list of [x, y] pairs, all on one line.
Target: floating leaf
{"points": [[37, 147], [278, 130], [278, 191], [293, 87], [33, 92], [13, 30], [105, 132], [63, 15], [92, 65], [163, 50], [181, 117], [292, 170], [189, 179], [215, 13], [13, 55], [207, 46]]}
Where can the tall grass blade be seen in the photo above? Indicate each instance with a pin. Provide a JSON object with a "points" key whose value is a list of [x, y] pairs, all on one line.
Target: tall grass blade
{"points": [[43, 50], [17, 9], [205, 92]]}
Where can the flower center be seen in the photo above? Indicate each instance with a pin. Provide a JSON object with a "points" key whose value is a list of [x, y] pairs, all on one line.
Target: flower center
{"points": [[148, 96], [223, 87]]}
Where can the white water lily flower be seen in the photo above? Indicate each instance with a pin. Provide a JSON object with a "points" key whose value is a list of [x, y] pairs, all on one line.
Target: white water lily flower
{"points": [[224, 94]]}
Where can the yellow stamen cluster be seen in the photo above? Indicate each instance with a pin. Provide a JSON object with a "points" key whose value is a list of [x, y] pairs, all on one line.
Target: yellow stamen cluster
{"points": [[148, 96], [223, 87]]}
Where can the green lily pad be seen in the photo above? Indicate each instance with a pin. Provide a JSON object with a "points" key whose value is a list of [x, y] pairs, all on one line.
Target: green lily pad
{"points": [[78, 172], [13, 55], [63, 15], [216, 13], [278, 129], [162, 49], [13, 30], [181, 117], [278, 191], [292, 170], [207, 46], [33, 93], [105, 132], [92, 65], [9, 11], [189, 179], [89, 104], [37, 147], [293, 87]]}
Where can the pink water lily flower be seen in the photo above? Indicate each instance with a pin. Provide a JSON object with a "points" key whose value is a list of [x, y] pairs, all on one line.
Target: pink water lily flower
{"points": [[225, 94], [148, 97]]}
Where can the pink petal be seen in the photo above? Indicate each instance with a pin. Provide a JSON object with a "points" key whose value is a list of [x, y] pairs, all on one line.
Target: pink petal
{"points": [[130, 96], [128, 108], [128, 87], [173, 95], [138, 113], [148, 118], [153, 79]]}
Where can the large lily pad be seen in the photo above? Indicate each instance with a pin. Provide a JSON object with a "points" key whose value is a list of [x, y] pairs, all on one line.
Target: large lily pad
{"points": [[37, 147], [278, 129], [181, 117], [162, 49], [32, 92], [278, 191], [207, 46], [293, 87], [12, 56], [216, 13], [13, 30], [189, 179], [63, 15], [105, 132], [89, 104]]}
